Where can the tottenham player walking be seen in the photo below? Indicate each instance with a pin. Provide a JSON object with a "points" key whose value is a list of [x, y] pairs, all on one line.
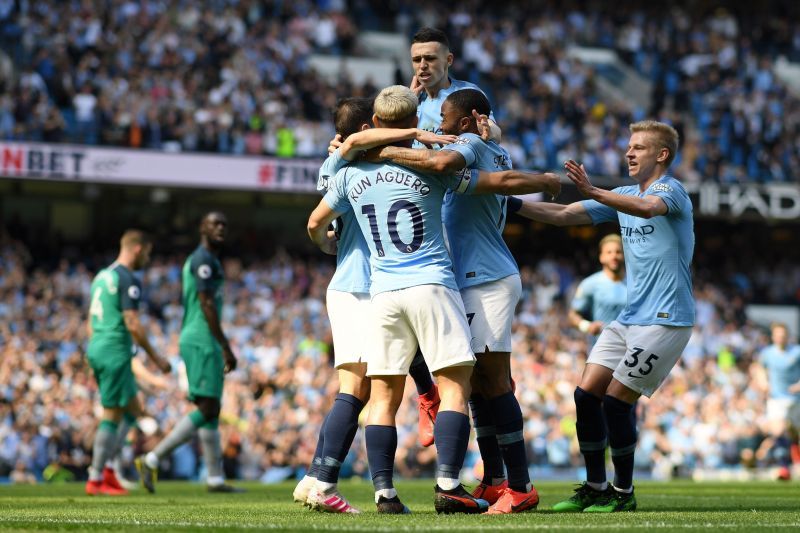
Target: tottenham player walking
{"points": [[635, 352], [488, 279], [113, 326], [414, 298], [207, 355], [601, 297], [348, 309]]}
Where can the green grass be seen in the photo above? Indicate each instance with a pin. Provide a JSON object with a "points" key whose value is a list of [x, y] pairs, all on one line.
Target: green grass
{"points": [[676, 506]]}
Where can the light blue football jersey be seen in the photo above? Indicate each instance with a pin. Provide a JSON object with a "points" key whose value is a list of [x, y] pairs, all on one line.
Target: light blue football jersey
{"points": [[400, 215], [474, 223], [599, 297], [783, 369], [352, 256], [658, 255], [429, 110]]}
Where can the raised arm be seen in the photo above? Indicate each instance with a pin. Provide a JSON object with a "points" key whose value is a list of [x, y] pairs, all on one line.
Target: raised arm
{"points": [[421, 160], [517, 182], [364, 140], [573, 214]]}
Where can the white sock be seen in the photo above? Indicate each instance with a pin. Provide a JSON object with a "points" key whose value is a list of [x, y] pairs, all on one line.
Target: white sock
{"points": [[110, 464], [215, 481], [94, 475], [598, 486], [324, 486], [624, 491], [151, 460], [386, 493], [447, 483]]}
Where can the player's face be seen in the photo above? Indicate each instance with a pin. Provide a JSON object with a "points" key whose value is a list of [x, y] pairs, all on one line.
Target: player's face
{"points": [[779, 336], [611, 256], [143, 257], [451, 119], [215, 228], [430, 62], [642, 155]]}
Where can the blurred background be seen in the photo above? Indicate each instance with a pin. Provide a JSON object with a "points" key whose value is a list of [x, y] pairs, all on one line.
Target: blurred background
{"points": [[117, 114]]}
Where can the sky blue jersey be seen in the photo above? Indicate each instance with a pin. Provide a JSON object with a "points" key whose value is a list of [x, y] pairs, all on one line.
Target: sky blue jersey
{"points": [[400, 215], [783, 369], [658, 255], [352, 257], [474, 223], [599, 297], [429, 111]]}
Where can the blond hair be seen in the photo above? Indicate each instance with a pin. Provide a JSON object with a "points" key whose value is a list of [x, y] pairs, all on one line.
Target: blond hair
{"points": [[395, 103], [611, 237], [666, 136]]}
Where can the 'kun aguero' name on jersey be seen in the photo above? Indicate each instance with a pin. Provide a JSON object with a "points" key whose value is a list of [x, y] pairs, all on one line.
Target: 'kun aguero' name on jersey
{"points": [[390, 176]]}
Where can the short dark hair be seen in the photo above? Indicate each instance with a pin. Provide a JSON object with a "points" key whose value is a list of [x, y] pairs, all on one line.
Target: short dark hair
{"points": [[466, 100], [351, 113], [430, 35], [133, 237]]}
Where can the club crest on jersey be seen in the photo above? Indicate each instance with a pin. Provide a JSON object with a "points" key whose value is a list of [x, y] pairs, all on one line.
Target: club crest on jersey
{"points": [[133, 292], [661, 187], [461, 140], [204, 271]]}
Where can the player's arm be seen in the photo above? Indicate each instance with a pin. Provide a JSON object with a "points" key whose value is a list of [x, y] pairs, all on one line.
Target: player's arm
{"points": [[517, 182], [145, 376], [573, 214], [318, 222], [420, 160], [364, 140], [209, 308], [576, 320], [648, 207], [89, 328], [135, 327]]}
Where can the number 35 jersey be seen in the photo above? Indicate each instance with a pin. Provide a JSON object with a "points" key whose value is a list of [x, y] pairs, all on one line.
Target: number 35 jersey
{"points": [[399, 212]]}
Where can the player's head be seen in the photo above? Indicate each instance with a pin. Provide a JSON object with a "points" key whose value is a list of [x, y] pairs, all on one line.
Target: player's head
{"points": [[353, 115], [651, 149], [214, 228], [611, 256], [431, 57], [457, 111], [780, 333], [395, 107], [136, 245]]}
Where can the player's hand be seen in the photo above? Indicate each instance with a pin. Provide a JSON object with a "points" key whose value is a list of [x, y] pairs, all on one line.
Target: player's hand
{"points": [[163, 365], [428, 138], [335, 143], [230, 360], [416, 86], [330, 245], [484, 128], [553, 185], [577, 175], [595, 327], [794, 389]]}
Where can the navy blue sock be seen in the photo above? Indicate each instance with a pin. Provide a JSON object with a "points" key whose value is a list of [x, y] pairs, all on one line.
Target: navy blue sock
{"points": [[420, 374], [621, 419], [592, 439], [508, 421], [313, 470], [381, 447], [486, 433], [451, 433], [340, 429]]}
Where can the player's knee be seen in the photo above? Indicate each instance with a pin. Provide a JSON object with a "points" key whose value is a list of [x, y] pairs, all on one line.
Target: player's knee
{"points": [[585, 399], [209, 408]]}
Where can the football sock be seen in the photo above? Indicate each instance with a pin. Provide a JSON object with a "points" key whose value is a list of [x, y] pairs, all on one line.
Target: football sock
{"points": [[621, 418], [508, 423], [592, 439], [128, 421], [104, 442], [211, 445], [381, 448], [486, 434], [420, 374], [313, 469], [340, 431], [183, 431], [451, 433]]}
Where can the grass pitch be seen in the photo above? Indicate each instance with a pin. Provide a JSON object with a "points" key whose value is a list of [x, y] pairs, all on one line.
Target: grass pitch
{"points": [[675, 506]]}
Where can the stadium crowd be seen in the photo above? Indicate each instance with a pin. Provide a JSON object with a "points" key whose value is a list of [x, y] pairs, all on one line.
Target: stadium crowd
{"points": [[709, 414], [233, 76]]}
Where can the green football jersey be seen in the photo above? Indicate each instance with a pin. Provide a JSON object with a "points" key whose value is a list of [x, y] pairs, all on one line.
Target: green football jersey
{"points": [[202, 272], [114, 290]]}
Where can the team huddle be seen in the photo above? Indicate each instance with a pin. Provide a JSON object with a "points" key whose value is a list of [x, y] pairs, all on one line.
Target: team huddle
{"points": [[425, 285]]}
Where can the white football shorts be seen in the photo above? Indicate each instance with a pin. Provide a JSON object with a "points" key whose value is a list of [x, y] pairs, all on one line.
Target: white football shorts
{"points": [[640, 356], [490, 313], [348, 313]]}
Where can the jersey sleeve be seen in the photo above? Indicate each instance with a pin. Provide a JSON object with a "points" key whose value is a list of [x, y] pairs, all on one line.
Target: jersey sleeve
{"points": [[674, 196], [130, 292], [598, 212], [336, 197], [329, 168], [582, 301], [466, 145], [202, 267], [463, 182]]}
